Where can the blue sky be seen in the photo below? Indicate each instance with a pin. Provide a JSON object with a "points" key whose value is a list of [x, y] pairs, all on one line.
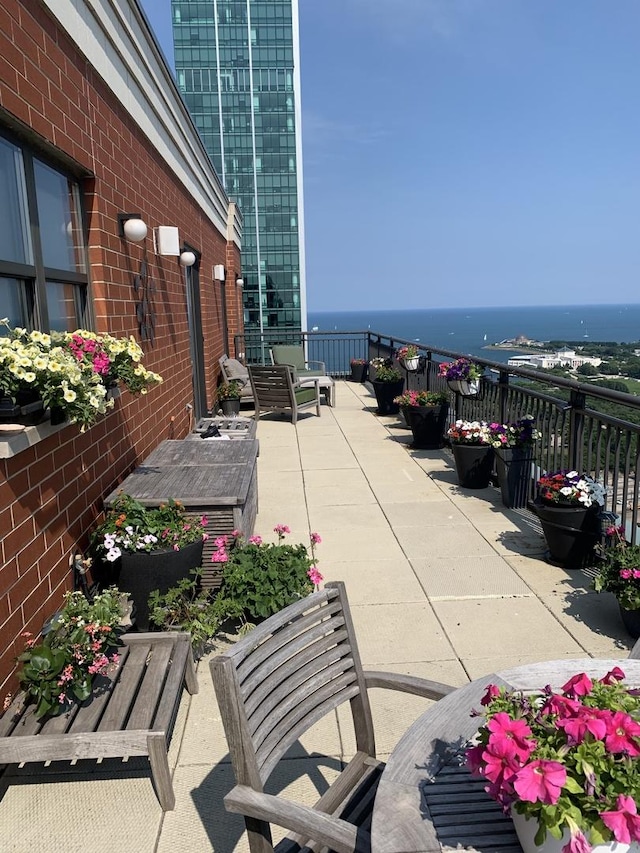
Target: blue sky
{"points": [[467, 152]]}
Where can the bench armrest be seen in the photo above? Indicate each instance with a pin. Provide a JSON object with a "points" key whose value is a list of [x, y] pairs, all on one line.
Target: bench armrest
{"points": [[321, 365]]}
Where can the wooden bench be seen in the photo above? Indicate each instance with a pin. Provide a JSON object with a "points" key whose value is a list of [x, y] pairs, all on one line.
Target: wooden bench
{"points": [[131, 712]]}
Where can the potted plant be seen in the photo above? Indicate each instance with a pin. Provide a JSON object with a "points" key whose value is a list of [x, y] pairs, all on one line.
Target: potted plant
{"points": [[358, 369], [387, 385], [78, 646], [569, 506], [565, 765], [259, 578], [472, 452], [408, 355], [462, 375], [620, 574], [228, 397], [426, 413], [513, 445], [148, 547], [187, 607]]}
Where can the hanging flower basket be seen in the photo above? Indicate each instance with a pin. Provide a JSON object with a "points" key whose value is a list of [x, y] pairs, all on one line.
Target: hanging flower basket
{"points": [[465, 387]]}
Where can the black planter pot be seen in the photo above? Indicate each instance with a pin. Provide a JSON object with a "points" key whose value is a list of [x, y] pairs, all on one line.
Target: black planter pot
{"points": [[385, 393], [428, 424], [474, 463], [571, 532], [142, 572], [28, 408], [631, 621], [513, 465], [230, 406], [359, 372]]}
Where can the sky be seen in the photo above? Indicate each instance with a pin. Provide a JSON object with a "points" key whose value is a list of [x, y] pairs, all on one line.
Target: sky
{"points": [[467, 152]]}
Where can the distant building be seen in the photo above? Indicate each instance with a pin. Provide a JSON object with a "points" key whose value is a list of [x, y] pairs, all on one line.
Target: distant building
{"points": [[564, 357], [238, 68]]}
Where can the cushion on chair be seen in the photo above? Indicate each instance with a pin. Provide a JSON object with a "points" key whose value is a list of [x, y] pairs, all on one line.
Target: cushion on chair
{"points": [[234, 369], [294, 355], [305, 395]]}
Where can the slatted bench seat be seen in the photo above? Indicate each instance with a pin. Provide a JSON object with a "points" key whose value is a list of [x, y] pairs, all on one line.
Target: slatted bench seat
{"points": [[131, 712]]}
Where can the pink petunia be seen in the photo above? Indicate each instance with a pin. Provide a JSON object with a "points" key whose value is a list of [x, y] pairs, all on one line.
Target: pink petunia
{"points": [[625, 574], [624, 823], [577, 727], [579, 685], [540, 781], [615, 674], [562, 706], [577, 844], [517, 732], [491, 692], [622, 734]]}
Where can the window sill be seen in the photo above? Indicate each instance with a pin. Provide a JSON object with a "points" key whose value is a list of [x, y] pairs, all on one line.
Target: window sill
{"points": [[11, 444]]}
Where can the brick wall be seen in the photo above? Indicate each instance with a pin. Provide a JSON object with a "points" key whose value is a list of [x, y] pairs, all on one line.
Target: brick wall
{"points": [[51, 494]]}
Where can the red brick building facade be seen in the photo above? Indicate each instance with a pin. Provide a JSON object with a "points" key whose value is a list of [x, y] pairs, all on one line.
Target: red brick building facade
{"points": [[90, 100]]}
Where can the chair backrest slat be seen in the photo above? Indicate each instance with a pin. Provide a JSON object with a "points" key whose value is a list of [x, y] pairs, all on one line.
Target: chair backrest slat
{"points": [[267, 761], [292, 669], [329, 648]]}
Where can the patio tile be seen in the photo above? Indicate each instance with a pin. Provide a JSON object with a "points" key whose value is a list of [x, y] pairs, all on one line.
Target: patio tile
{"points": [[370, 544], [352, 516], [420, 542], [433, 513], [374, 581], [488, 627], [455, 578]]}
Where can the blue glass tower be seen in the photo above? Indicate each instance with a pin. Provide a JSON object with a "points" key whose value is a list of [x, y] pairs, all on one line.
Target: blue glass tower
{"points": [[238, 68]]}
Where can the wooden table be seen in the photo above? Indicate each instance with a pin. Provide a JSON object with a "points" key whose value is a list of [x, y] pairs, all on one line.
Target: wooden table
{"points": [[426, 800], [218, 479]]}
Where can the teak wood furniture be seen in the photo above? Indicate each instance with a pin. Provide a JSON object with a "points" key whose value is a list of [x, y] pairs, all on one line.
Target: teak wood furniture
{"points": [[131, 711], [218, 479], [276, 389], [426, 798], [273, 685]]}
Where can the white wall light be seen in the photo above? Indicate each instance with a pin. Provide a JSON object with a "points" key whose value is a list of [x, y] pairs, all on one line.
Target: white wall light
{"points": [[187, 259], [218, 272], [131, 227]]}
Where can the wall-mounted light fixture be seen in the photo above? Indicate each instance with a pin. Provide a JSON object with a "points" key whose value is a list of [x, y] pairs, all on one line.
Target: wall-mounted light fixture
{"points": [[131, 227], [218, 272], [239, 280], [187, 258]]}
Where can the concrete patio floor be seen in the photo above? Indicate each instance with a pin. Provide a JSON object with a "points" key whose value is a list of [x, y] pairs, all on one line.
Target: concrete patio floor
{"points": [[443, 583]]}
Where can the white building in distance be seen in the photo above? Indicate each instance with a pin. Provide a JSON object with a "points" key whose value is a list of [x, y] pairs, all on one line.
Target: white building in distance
{"points": [[563, 358]]}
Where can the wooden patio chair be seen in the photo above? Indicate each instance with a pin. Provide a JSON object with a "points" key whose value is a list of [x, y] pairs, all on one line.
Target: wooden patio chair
{"points": [[272, 686], [294, 355], [276, 389]]}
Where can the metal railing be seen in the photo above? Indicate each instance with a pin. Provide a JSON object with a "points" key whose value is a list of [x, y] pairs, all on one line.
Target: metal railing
{"points": [[578, 433]]}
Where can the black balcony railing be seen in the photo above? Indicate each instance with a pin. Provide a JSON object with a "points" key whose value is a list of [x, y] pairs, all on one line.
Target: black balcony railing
{"points": [[578, 432]]}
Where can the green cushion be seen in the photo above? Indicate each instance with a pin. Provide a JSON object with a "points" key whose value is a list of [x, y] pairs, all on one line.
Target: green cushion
{"points": [[305, 395], [283, 354]]}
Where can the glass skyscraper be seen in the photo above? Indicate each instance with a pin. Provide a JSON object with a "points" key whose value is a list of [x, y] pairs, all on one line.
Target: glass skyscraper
{"points": [[238, 68]]}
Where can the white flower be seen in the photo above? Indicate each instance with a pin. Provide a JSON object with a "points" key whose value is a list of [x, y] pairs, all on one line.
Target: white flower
{"points": [[113, 554]]}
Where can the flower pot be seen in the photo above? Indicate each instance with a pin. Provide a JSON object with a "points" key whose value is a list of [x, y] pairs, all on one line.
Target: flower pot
{"points": [[474, 463], [359, 372], [526, 829], [631, 621], [230, 406], [385, 392], [464, 387], [58, 415], [428, 424], [144, 571], [571, 532], [411, 363], [28, 408], [513, 465]]}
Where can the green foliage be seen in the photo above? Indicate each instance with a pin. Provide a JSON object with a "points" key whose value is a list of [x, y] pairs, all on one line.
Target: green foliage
{"points": [[185, 607], [229, 391], [612, 385], [260, 578], [62, 666], [610, 368], [587, 370], [620, 569]]}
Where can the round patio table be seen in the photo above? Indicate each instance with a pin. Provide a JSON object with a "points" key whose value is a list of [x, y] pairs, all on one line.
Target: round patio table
{"points": [[426, 800]]}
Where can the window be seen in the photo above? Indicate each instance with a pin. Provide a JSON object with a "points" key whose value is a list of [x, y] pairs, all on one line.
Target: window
{"points": [[43, 268]]}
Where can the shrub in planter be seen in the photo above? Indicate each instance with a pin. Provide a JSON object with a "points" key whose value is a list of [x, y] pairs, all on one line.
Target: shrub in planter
{"points": [[260, 578]]}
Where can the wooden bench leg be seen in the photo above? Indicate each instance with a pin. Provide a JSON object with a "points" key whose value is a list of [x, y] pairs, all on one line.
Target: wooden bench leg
{"points": [[157, 746], [190, 674]]}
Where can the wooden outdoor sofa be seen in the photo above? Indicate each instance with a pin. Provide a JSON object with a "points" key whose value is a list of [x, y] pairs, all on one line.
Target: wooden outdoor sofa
{"points": [[131, 712]]}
